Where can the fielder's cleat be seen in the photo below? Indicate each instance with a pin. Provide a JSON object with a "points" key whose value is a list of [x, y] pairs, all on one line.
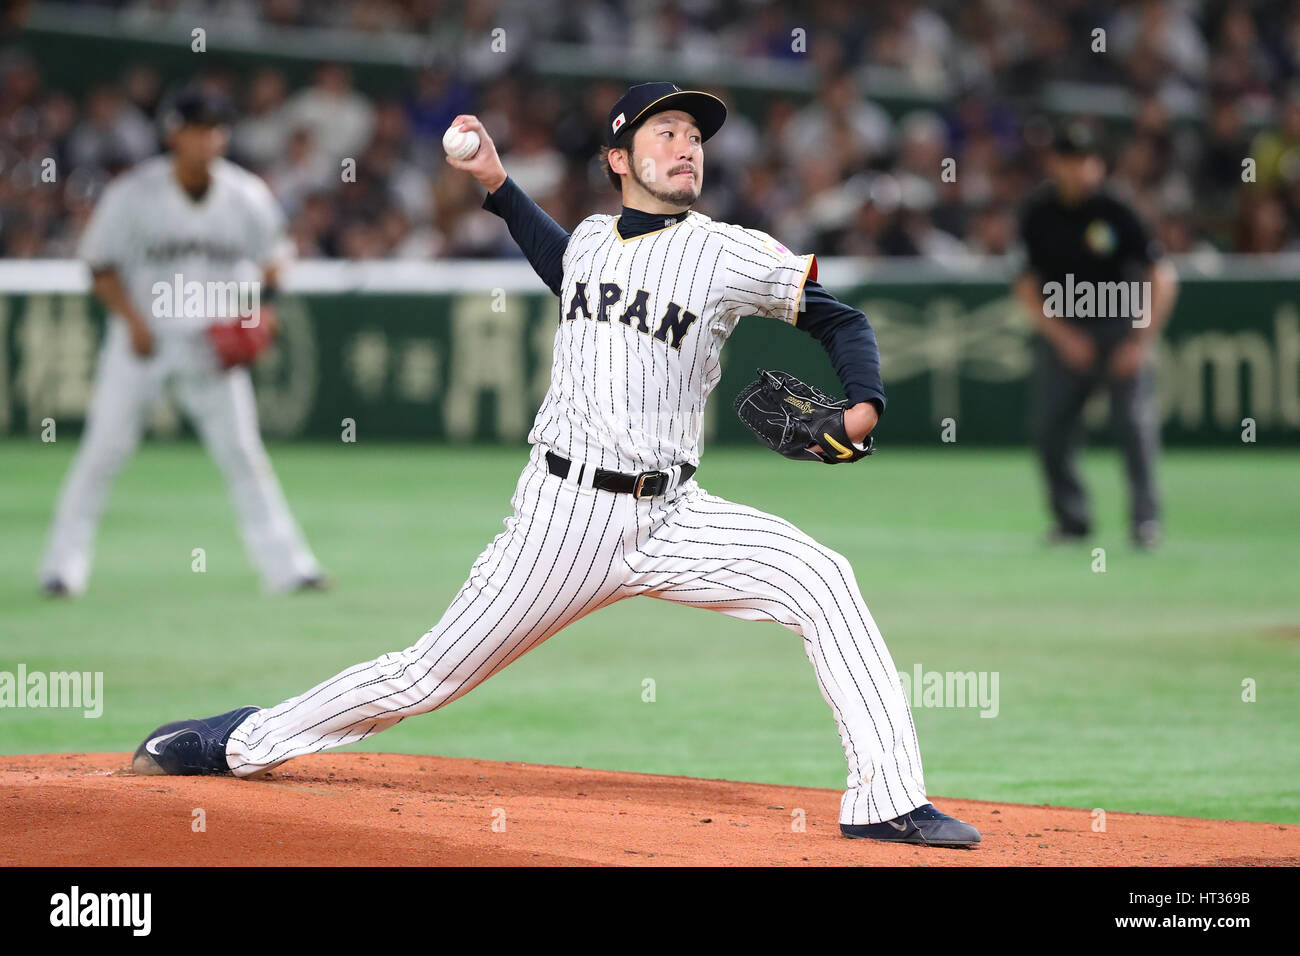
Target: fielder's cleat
{"points": [[1065, 536], [924, 825], [189, 747], [1147, 536], [314, 582], [55, 588]]}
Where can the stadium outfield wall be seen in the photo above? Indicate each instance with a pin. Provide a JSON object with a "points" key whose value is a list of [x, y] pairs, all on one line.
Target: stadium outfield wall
{"points": [[461, 350]]}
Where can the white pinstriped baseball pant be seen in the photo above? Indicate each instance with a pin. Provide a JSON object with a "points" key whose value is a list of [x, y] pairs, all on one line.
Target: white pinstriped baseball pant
{"points": [[569, 550]]}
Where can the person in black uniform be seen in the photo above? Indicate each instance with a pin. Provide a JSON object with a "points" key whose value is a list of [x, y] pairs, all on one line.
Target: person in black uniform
{"points": [[1081, 242]]}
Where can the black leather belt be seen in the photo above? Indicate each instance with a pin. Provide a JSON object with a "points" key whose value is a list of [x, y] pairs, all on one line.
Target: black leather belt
{"points": [[646, 484]]}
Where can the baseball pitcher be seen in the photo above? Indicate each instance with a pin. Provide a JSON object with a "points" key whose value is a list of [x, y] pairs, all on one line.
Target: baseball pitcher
{"points": [[184, 249], [608, 506]]}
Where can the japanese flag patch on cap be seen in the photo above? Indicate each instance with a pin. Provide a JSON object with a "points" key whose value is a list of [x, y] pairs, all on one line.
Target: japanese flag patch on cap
{"points": [[646, 99]]}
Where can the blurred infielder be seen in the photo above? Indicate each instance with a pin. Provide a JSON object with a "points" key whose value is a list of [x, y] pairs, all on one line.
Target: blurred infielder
{"points": [[184, 249], [608, 508]]}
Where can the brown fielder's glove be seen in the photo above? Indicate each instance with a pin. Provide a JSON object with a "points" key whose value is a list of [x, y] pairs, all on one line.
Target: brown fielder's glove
{"points": [[237, 345], [789, 415]]}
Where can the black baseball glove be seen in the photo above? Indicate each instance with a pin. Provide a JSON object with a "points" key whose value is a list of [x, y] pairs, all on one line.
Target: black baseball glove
{"points": [[789, 415]]}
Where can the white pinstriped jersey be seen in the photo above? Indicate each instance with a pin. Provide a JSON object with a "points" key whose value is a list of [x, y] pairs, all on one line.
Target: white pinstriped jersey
{"points": [[642, 322], [641, 325]]}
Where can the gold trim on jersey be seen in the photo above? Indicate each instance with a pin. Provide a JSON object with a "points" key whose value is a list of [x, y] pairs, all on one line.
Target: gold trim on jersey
{"points": [[802, 282], [644, 234]]}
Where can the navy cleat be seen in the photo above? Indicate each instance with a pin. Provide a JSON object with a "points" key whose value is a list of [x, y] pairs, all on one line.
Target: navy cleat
{"points": [[924, 825], [313, 582], [189, 747], [1058, 536], [55, 588]]}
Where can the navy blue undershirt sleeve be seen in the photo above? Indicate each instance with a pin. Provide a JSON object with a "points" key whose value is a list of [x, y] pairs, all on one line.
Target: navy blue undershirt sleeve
{"points": [[541, 238], [850, 342]]}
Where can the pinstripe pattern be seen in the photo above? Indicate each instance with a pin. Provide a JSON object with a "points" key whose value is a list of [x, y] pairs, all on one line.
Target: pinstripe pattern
{"points": [[709, 552], [524, 587], [622, 398], [569, 550], [627, 392]]}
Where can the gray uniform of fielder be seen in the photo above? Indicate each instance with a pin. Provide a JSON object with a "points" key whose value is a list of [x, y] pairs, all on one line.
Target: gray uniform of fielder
{"points": [[148, 229]]}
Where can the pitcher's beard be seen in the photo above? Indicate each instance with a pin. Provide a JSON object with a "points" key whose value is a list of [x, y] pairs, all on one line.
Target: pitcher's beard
{"points": [[677, 197], [683, 196]]}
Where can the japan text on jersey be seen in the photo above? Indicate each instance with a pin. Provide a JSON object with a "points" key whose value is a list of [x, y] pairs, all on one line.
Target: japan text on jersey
{"points": [[641, 325]]}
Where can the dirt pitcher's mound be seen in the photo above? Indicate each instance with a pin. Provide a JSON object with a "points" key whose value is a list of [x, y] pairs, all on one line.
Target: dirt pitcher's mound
{"points": [[340, 809]]}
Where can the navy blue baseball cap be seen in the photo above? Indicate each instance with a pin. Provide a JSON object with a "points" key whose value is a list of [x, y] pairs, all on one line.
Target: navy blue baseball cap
{"points": [[197, 106], [647, 99], [1076, 138]]}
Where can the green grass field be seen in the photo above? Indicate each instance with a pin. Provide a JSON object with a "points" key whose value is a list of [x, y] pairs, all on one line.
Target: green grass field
{"points": [[1120, 690]]}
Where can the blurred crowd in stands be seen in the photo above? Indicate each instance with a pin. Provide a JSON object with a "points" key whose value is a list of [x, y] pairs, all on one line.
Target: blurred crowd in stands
{"points": [[1209, 84]]}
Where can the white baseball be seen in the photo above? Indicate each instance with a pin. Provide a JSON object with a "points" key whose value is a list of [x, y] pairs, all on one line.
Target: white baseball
{"points": [[460, 144]]}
